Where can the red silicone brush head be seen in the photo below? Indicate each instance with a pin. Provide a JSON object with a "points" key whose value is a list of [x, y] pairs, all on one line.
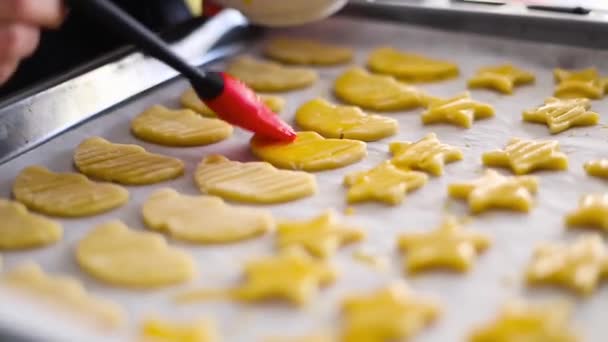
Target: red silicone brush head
{"points": [[240, 106]]}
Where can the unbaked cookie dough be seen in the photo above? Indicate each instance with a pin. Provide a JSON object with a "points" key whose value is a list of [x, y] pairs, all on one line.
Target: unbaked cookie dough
{"points": [[524, 156], [502, 78], [427, 154], [306, 51], [189, 99], [585, 83], [560, 115], [203, 219], [66, 194], [332, 121], [409, 66], [309, 152], [460, 110], [252, 182], [127, 164], [377, 92], [269, 76], [20, 229], [64, 293], [597, 168], [164, 126], [161, 330], [592, 212], [120, 256]]}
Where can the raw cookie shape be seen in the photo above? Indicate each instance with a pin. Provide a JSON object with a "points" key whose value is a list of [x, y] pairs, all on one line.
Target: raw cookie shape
{"points": [[385, 183], [252, 182], [161, 330], [523, 321], [376, 92], [393, 313], [127, 164], [560, 115], [585, 83], [578, 266], [269, 76], [597, 168], [190, 100], [203, 219], [493, 190], [448, 246], [301, 276], [427, 154], [309, 152], [20, 229], [524, 156], [320, 236], [349, 122], [306, 51], [66, 194], [120, 256], [502, 78], [170, 127], [592, 212], [307, 338], [460, 110], [409, 66], [65, 293]]}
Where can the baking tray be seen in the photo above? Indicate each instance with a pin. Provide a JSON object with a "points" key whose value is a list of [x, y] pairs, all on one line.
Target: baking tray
{"points": [[467, 300]]}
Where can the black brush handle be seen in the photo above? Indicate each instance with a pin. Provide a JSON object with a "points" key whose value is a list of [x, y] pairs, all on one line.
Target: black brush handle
{"points": [[207, 85]]}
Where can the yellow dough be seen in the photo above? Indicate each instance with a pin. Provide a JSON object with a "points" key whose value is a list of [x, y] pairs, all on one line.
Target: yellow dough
{"points": [[117, 255], [308, 338], [597, 168], [300, 278], [348, 122], [524, 156], [269, 76], [502, 78], [592, 212], [66, 194], [203, 219], [586, 83], [126, 164], [393, 313], [190, 100], [159, 330], [320, 236], [427, 154], [306, 51], [493, 190], [522, 321], [385, 183], [252, 182], [578, 266], [460, 110], [20, 229], [376, 92], [309, 152], [65, 293], [448, 246], [184, 127], [410, 67], [560, 115]]}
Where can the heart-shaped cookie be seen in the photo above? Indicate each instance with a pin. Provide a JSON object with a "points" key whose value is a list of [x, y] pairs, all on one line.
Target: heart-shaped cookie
{"points": [[269, 76], [409, 66], [66, 194], [190, 100], [21, 229], [306, 51]]}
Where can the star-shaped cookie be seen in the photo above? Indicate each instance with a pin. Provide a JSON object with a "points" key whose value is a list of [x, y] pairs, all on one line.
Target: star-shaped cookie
{"points": [[385, 183], [427, 154], [494, 190], [578, 266], [393, 313], [448, 246], [522, 321], [560, 115], [592, 212], [502, 78], [524, 156], [460, 110], [585, 83], [320, 236]]}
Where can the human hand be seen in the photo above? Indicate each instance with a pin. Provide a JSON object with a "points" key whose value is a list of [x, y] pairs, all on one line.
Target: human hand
{"points": [[20, 24]]}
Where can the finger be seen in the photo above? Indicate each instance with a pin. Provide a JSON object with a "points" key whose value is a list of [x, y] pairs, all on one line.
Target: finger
{"points": [[7, 69], [17, 41], [47, 13]]}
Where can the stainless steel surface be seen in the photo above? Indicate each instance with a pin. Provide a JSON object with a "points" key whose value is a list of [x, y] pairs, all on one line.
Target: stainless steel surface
{"points": [[35, 119]]}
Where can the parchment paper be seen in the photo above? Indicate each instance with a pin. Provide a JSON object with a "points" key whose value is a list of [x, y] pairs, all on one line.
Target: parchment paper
{"points": [[467, 299]]}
